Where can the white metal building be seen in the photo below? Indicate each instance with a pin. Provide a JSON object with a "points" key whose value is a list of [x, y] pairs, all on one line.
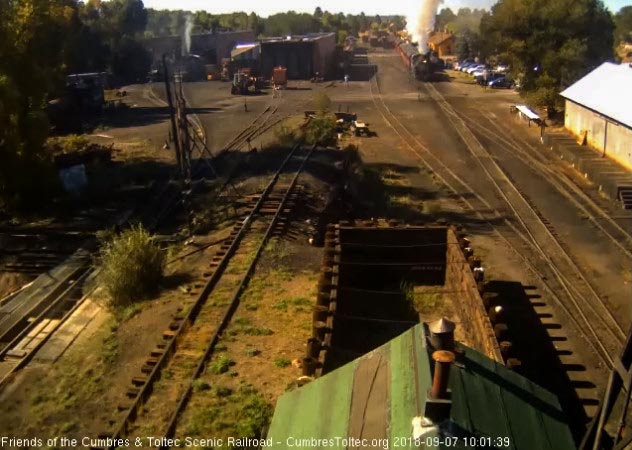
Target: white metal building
{"points": [[599, 109]]}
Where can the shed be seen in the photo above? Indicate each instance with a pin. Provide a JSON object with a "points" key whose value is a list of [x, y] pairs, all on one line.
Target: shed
{"points": [[302, 55], [598, 111], [443, 43], [376, 397]]}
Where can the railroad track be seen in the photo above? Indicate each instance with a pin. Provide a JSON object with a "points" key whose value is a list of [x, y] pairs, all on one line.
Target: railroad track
{"points": [[593, 212], [26, 326], [254, 129], [33, 251], [565, 284], [150, 404], [21, 342], [540, 231]]}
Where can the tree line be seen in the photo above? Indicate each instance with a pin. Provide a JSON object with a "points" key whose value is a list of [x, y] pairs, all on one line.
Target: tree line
{"points": [[549, 44], [170, 23]]}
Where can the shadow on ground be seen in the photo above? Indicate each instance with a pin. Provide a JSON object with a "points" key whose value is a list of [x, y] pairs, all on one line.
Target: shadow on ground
{"points": [[142, 116], [533, 346]]}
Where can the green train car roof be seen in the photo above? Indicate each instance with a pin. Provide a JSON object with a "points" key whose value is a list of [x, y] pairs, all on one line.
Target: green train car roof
{"points": [[376, 397]]}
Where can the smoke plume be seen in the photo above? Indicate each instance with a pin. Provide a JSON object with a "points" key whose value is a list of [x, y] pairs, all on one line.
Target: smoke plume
{"points": [[420, 23], [186, 41]]}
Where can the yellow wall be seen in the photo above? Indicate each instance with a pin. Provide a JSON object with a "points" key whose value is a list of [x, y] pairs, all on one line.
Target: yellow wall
{"points": [[617, 138], [446, 48]]}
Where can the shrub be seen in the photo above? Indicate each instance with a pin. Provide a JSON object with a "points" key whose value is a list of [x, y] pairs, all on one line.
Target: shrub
{"points": [[68, 144], [132, 266], [286, 136], [322, 102], [321, 130]]}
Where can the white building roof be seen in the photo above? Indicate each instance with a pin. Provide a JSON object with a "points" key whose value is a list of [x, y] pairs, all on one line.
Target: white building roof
{"points": [[606, 90]]}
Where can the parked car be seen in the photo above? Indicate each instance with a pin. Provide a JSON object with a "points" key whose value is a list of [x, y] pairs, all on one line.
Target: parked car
{"points": [[480, 72], [501, 68], [501, 82], [459, 65], [466, 66], [473, 68], [490, 77]]}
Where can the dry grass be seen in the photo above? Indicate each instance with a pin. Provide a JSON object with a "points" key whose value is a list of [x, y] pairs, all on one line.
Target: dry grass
{"points": [[428, 300], [392, 178], [51, 395], [268, 332]]}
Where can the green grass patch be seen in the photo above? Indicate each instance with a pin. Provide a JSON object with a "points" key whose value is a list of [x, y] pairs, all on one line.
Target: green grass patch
{"points": [[252, 352], [244, 413], [258, 331], [223, 391], [110, 345], [221, 365], [282, 362], [221, 347], [200, 385], [243, 325], [298, 302]]}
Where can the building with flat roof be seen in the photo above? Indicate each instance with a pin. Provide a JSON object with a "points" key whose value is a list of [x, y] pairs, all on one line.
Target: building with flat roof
{"points": [[598, 111], [302, 55]]}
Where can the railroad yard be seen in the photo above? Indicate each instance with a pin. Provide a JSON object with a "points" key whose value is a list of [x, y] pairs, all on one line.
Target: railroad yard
{"points": [[245, 299]]}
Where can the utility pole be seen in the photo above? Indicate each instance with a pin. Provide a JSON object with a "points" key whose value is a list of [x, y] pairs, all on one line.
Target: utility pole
{"points": [[174, 129], [185, 149]]}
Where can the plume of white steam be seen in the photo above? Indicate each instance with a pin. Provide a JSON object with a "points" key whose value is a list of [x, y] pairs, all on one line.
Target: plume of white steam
{"points": [[186, 41], [420, 22]]}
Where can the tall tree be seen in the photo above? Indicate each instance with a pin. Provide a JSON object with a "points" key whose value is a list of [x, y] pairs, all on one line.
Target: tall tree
{"points": [[549, 43], [445, 17], [33, 39], [118, 24], [623, 21]]}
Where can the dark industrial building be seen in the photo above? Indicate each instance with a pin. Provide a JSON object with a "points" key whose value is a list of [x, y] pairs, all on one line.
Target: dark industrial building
{"points": [[215, 47], [211, 47], [302, 55]]}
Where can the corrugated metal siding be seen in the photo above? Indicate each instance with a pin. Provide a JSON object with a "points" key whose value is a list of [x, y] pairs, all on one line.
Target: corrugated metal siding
{"points": [[319, 410], [487, 400], [601, 132], [605, 90], [324, 55], [619, 144]]}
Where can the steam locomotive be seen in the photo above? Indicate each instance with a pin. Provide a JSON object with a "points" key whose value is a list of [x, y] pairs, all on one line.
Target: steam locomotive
{"points": [[423, 66]]}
